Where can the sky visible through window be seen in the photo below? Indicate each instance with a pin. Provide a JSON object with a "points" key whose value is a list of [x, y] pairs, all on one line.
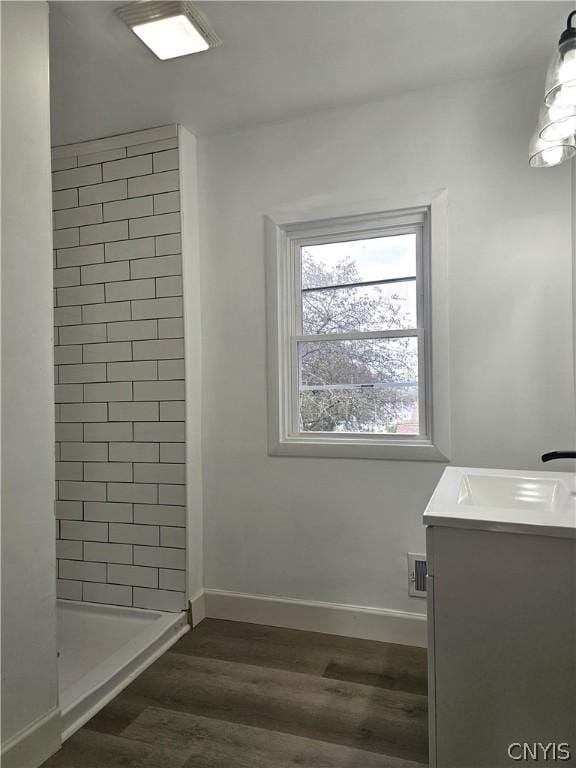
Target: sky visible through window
{"points": [[378, 258]]}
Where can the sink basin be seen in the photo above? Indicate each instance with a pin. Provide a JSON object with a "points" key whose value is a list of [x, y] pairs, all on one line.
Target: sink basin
{"points": [[528, 493], [537, 502]]}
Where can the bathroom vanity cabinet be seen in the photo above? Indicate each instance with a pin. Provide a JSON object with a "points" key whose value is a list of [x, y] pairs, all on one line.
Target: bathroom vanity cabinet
{"points": [[502, 621]]}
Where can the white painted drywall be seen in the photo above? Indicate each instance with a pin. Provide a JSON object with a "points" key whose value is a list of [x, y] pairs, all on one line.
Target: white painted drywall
{"points": [[338, 530], [193, 352], [29, 683]]}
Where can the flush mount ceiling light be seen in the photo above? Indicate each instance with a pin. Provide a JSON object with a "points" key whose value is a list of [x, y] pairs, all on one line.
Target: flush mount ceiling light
{"points": [[555, 138], [169, 29]]}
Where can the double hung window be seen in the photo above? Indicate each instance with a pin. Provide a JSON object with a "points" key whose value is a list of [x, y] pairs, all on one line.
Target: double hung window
{"points": [[350, 354]]}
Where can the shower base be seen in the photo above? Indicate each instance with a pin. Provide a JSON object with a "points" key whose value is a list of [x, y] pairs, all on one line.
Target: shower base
{"points": [[102, 648]]}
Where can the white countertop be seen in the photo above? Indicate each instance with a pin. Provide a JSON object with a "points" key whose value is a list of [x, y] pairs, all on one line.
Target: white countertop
{"points": [[545, 504]]}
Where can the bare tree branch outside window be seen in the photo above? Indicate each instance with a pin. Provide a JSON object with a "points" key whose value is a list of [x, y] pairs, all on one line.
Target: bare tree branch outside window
{"points": [[360, 385]]}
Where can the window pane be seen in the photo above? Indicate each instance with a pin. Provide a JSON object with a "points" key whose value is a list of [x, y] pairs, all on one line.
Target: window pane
{"points": [[367, 385], [359, 261], [366, 308]]}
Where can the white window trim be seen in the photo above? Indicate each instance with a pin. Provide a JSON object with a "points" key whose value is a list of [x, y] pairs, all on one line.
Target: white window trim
{"points": [[282, 440]]}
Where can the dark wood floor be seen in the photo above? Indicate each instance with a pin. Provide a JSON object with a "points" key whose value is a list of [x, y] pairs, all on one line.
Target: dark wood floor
{"points": [[233, 695]]}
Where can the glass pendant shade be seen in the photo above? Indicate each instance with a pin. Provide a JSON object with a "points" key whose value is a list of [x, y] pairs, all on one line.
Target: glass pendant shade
{"points": [[557, 123], [561, 77], [545, 154]]}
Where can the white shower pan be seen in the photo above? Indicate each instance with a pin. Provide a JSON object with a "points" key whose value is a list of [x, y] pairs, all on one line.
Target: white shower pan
{"points": [[102, 648]]}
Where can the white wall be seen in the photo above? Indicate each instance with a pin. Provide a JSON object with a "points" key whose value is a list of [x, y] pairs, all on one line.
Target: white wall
{"points": [[338, 530], [193, 350], [29, 684]]}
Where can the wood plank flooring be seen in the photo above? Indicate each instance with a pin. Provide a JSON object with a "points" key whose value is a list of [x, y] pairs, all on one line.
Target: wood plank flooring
{"points": [[234, 695]]}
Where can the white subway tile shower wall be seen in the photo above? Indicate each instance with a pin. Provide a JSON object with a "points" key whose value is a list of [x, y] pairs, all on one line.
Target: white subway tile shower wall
{"points": [[120, 372]]}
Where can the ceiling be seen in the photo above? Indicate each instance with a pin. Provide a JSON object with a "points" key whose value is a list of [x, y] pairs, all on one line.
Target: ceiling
{"points": [[281, 60]]}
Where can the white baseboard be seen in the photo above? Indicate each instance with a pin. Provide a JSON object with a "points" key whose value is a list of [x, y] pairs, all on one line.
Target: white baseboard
{"points": [[198, 607], [34, 744], [332, 618]]}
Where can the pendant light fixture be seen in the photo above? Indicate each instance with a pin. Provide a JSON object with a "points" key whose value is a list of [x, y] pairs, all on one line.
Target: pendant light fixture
{"points": [[544, 154], [555, 138]]}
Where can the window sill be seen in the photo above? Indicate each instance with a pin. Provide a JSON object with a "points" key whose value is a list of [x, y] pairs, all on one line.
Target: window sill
{"points": [[318, 447]]}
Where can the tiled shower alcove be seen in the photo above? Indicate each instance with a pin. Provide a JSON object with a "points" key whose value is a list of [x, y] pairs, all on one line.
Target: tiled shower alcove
{"points": [[120, 374]]}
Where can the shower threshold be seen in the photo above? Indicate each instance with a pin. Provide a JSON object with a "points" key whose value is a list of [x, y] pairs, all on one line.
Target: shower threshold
{"points": [[102, 649]]}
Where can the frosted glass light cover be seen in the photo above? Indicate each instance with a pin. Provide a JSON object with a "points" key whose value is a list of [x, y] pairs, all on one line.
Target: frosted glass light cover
{"points": [[561, 77], [545, 154], [557, 123], [171, 37]]}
